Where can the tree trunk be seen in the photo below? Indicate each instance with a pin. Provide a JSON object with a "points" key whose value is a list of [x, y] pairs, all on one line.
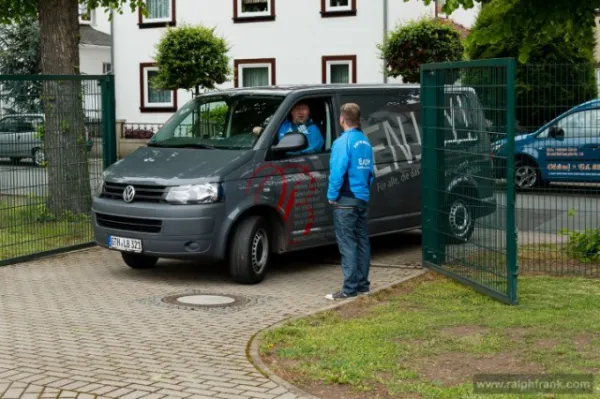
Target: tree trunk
{"points": [[64, 130]]}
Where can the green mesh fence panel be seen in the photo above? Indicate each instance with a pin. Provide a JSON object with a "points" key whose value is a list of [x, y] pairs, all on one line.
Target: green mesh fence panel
{"points": [[57, 133], [469, 230]]}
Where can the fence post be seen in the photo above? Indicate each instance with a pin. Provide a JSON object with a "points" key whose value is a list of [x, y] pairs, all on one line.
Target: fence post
{"points": [[109, 123], [511, 228], [432, 86], [120, 125]]}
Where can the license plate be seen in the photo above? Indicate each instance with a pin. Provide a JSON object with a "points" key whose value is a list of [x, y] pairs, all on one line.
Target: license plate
{"points": [[125, 244]]}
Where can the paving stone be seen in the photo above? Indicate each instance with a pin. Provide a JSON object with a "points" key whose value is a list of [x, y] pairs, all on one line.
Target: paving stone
{"points": [[112, 335]]}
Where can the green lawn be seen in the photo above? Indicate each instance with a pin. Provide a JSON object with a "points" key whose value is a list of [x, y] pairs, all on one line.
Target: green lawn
{"points": [[426, 338], [26, 228]]}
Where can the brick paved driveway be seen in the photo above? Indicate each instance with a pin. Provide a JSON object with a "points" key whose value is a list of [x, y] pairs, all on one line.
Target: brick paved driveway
{"points": [[84, 325]]}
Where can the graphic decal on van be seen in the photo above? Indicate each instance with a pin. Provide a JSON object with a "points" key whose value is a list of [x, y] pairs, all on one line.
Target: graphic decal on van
{"points": [[289, 206]]}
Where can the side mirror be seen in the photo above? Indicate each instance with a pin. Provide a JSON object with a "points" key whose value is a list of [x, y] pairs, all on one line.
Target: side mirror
{"points": [[291, 142], [556, 132]]}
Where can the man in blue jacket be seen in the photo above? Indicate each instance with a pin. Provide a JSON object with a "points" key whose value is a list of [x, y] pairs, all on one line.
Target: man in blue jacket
{"points": [[301, 122], [350, 179]]}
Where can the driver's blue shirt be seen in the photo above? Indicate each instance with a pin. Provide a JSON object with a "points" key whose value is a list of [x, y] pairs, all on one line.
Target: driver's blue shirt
{"points": [[312, 132]]}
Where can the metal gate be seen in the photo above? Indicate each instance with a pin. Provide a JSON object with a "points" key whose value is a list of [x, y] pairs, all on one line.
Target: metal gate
{"points": [[57, 135], [469, 231]]}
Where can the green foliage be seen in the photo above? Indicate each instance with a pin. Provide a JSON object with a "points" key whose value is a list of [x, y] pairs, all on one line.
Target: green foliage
{"points": [[217, 114], [20, 55], [16, 10], [584, 245], [536, 20], [559, 75], [420, 42], [190, 57]]}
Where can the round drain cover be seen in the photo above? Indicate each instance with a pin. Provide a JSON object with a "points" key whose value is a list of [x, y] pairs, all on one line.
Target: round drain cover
{"points": [[205, 300]]}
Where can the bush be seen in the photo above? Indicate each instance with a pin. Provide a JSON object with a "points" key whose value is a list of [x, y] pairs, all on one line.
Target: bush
{"points": [[558, 74], [584, 245], [420, 42], [191, 57]]}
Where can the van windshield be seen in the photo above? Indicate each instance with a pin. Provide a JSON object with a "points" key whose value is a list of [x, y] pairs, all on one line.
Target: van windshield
{"points": [[225, 122]]}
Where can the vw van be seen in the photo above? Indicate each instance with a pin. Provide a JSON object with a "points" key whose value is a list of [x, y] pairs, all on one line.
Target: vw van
{"points": [[566, 149], [215, 183]]}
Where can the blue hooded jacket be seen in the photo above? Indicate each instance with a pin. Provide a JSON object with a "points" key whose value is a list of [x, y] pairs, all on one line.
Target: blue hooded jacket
{"points": [[312, 132], [351, 167]]}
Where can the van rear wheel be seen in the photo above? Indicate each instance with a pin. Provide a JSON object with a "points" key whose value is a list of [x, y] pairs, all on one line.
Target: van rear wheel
{"points": [[250, 252], [460, 223], [136, 261]]}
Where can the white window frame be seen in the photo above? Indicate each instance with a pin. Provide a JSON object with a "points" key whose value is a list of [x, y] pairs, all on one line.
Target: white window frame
{"points": [[242, 14], [81, 8], [340, 62], [330, 8], [166, 19], [106, 68], [243, 66], [147, 103]]}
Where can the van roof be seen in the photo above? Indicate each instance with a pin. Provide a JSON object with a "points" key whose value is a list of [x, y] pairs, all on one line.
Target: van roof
{"points": [[286, 89]]}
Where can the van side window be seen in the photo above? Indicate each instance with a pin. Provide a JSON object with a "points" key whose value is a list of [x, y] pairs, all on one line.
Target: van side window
{"points": [[392, 121], [313, 117]]}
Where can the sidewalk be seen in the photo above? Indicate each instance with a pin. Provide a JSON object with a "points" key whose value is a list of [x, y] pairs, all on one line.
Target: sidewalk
{"points": [[85, 325]]}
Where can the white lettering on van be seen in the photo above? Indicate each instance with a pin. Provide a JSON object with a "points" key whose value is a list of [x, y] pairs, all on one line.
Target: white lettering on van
{"points": [[379, 147], [389, 132], [394, 141], [452, 122]]}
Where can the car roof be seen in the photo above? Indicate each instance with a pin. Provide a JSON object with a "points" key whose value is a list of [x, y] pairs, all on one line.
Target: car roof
{"points": [[595, 103], [41, 115]]}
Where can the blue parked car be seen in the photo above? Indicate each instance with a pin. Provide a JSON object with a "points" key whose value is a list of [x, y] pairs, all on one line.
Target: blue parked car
{"points": [[566, 149]]}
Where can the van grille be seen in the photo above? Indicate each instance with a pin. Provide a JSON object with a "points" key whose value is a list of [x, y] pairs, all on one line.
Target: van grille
{"points": [[142, 193], [128, 223]]}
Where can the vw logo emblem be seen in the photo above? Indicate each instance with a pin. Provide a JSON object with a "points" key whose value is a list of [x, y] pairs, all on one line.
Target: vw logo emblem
{"points": [[128, 194]]}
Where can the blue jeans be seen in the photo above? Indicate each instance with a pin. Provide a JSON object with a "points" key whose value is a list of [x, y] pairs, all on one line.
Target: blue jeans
{"points": [[352, 236]]}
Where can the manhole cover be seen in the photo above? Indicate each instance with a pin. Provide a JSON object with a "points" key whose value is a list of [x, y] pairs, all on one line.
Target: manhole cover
{"points": [[194, 300], [205, 300]]}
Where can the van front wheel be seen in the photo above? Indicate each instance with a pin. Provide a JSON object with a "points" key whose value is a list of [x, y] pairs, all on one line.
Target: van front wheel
{"points": [[250, 251]]}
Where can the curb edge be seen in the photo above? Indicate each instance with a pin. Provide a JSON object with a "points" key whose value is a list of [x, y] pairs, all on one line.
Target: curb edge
{"points": [[253, 355]]}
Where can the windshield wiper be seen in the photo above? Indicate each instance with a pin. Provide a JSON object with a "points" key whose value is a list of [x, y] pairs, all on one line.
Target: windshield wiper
{"points": [[188, 145]]}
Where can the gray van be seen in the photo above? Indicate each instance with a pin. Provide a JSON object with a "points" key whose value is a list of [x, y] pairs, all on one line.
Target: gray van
{"points": [[216, 182]]}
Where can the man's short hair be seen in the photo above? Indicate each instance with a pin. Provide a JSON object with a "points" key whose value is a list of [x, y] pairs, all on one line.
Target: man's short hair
{"points": [[351, 113]]}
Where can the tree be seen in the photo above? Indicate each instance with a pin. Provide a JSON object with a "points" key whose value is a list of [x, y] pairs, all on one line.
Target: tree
{"points": [[64, 134], [537, 20], [191, 57], [20, 55], [419, 42], [559, 73]]}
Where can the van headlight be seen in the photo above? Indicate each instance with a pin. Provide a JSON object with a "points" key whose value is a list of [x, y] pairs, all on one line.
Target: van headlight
{"points": [[194, 194]]}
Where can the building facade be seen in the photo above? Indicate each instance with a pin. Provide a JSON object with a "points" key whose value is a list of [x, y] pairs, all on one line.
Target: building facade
{"points": [[273, 42], [95, 41]]}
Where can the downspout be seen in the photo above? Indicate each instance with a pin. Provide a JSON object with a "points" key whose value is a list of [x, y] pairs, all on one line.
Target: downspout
{"points": [[112, 41], [385, 33]]}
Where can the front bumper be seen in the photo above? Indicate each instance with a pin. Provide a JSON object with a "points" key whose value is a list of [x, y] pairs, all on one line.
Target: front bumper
{"points": [[168, 231]]}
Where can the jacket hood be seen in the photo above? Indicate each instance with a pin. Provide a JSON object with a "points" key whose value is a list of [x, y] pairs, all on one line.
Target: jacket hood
{"points": [[176, 166]]}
